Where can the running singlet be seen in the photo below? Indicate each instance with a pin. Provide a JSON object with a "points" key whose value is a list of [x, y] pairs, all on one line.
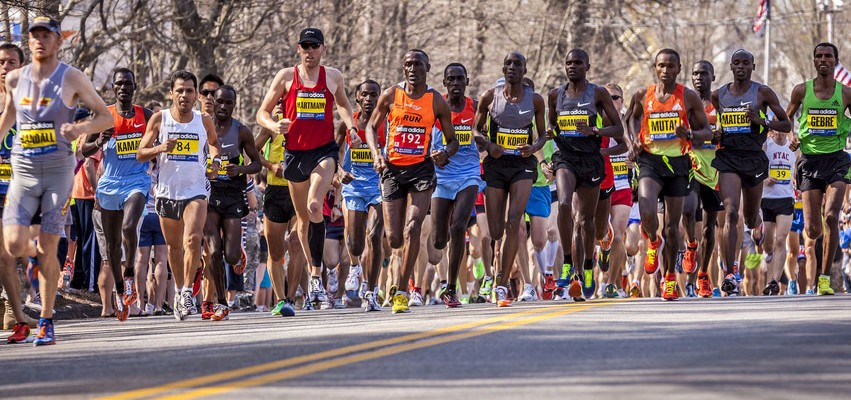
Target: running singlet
{"points": [[609, 178], [119, 153], [309, 110], [182, 170], [658, 125], [823, 126], [410, 125], [572, 110], [358, 161], [464, 163], [702, 155], [230, 154], [781, 168], [737, 130], [6, 160], [511, 124], [40, 119], [274, 152]]}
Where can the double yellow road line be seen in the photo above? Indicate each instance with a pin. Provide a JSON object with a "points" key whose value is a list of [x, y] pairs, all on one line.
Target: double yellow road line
{"points": [[209, 385]]}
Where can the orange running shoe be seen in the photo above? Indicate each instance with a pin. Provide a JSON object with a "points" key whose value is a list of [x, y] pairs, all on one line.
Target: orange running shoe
{"points": [[574, 290], [670, 288], [503, 299], [239, 268], [704, 287], [207, 310], [549, 287], [654, 251], [129, 291], [690, 258]]}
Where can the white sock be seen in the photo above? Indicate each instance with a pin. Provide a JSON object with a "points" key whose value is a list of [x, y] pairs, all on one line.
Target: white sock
{"points": [[551, 250], [540, 256]]}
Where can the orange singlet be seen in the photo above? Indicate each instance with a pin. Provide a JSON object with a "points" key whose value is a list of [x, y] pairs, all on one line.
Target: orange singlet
{"points": [[410, 123], [658, 126]]}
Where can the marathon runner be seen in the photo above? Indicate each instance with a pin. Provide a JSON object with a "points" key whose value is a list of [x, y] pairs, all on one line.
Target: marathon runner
{"points": [[179, 137], [122, 189], [458, 183], [407, 167], [704, 202], [42, 97], [309, 91], [778, 206], [227, 205], [362, 200], [578, 108], [740, 160], [11, 58], [509, 126], [822, 172], [664, 117]]}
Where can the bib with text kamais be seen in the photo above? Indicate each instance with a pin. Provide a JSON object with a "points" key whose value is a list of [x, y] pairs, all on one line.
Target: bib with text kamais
{"points": [[567, 122], [310, 105], [822, 121], [510, 138], [409, 140], [37, 138], [734, 120], [663, 125], [186, 148], [781, 173], [463, 133], [127, 144]]}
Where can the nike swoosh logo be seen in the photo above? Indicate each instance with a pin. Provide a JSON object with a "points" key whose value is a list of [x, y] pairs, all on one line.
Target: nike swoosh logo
{"points": [[227, 145], [744, 103], [595, 179], [524, 112], [582, 104], [464, 121], [138, 125], [759, 174], [528, 170]]}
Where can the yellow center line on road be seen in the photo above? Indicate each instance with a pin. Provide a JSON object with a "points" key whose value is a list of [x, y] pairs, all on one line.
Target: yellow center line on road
{"points": [[378, 353], [267, 367]]}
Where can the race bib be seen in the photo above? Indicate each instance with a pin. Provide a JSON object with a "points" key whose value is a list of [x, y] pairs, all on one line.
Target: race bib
{"points": [[510, 138], [310, 105], [464, 134], [821, 121], [361, 157], [5, 173], [781, 173], [735, 121], [127, 144], [567, 122], [619, 169], [37, 138], [222, 173], [409, 140], [186, 148], [663, 125]]}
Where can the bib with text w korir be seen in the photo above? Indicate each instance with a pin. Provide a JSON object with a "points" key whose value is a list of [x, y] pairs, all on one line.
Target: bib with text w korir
{"points": [[37, 138], [511, 138], [186, 148]]}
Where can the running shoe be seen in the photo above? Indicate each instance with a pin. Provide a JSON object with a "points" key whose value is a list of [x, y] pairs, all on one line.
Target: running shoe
{"points": [[824, 288], [220, 312], [196, 283], [716, 292], [416, 299], [451, 299], [443, 287], [690, 290], [487, 287], [549, 287], [239, 267], [605, 250], [528, 293], [704, 287], [369, 302], [45, 335], [670, 288], [610, 292], [690, 258], [566, 276], [651, 261], [811, 291], [730, 285], [589, 285], [772, 289], [121, 310], [574, 290], [316, 291], [207, 309], [678, 263], [149, 309], [327, 304], [634, 291], [182, 305], [793, 288], [20, 333], [275, 311], [400, 301], [288, 309], [353, 280], [502, 298], [332, 281]]}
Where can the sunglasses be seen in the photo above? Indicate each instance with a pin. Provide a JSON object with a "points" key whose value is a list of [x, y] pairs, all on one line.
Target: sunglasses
{"points": [[309, 46], [616, 97], [207, 92]]}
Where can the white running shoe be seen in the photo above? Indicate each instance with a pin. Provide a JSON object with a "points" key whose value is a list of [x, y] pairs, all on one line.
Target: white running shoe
{"points": [[352, 281], [415, 299], [369, 303], [332, 280], [317, 293], [528, 293], [149, 309]]}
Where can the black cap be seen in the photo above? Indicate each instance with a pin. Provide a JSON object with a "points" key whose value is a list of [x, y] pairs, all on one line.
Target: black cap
{"points": [[311, 35], [46, 23]]}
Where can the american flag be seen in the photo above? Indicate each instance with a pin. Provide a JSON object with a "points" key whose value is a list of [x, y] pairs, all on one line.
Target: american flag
{"points": [[842, 75], [763, 14]]}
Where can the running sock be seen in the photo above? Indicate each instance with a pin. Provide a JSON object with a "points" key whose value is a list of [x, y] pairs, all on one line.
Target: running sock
{"points": [[316, 242], [568, 259], [542, 259], [589, 264], [551, 250]]}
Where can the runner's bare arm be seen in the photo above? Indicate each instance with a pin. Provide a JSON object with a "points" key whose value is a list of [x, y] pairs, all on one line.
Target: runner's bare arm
{"points": [[7, 119], [541, 136], [147, 149], [480, 134], [276, 91], [781, 122], [795, 101], [212, 137], [246, 140], [385, 101], [552, 116], [604, 99], [344, 108], [697, 120], [633, 117], [85, 92], [444, 115]]}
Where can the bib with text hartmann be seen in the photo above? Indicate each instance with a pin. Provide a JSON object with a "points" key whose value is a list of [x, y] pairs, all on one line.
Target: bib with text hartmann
{"points": [[822, 121], [310, 105], [567, 122], [663, 125], [186, 148], [37, 138]]}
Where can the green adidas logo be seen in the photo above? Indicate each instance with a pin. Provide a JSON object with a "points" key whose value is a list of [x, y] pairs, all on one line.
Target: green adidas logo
{"points": [[836, 103]]}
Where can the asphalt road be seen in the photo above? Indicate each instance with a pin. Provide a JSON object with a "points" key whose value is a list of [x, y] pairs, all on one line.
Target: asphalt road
{"points": [[747, 348]]}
